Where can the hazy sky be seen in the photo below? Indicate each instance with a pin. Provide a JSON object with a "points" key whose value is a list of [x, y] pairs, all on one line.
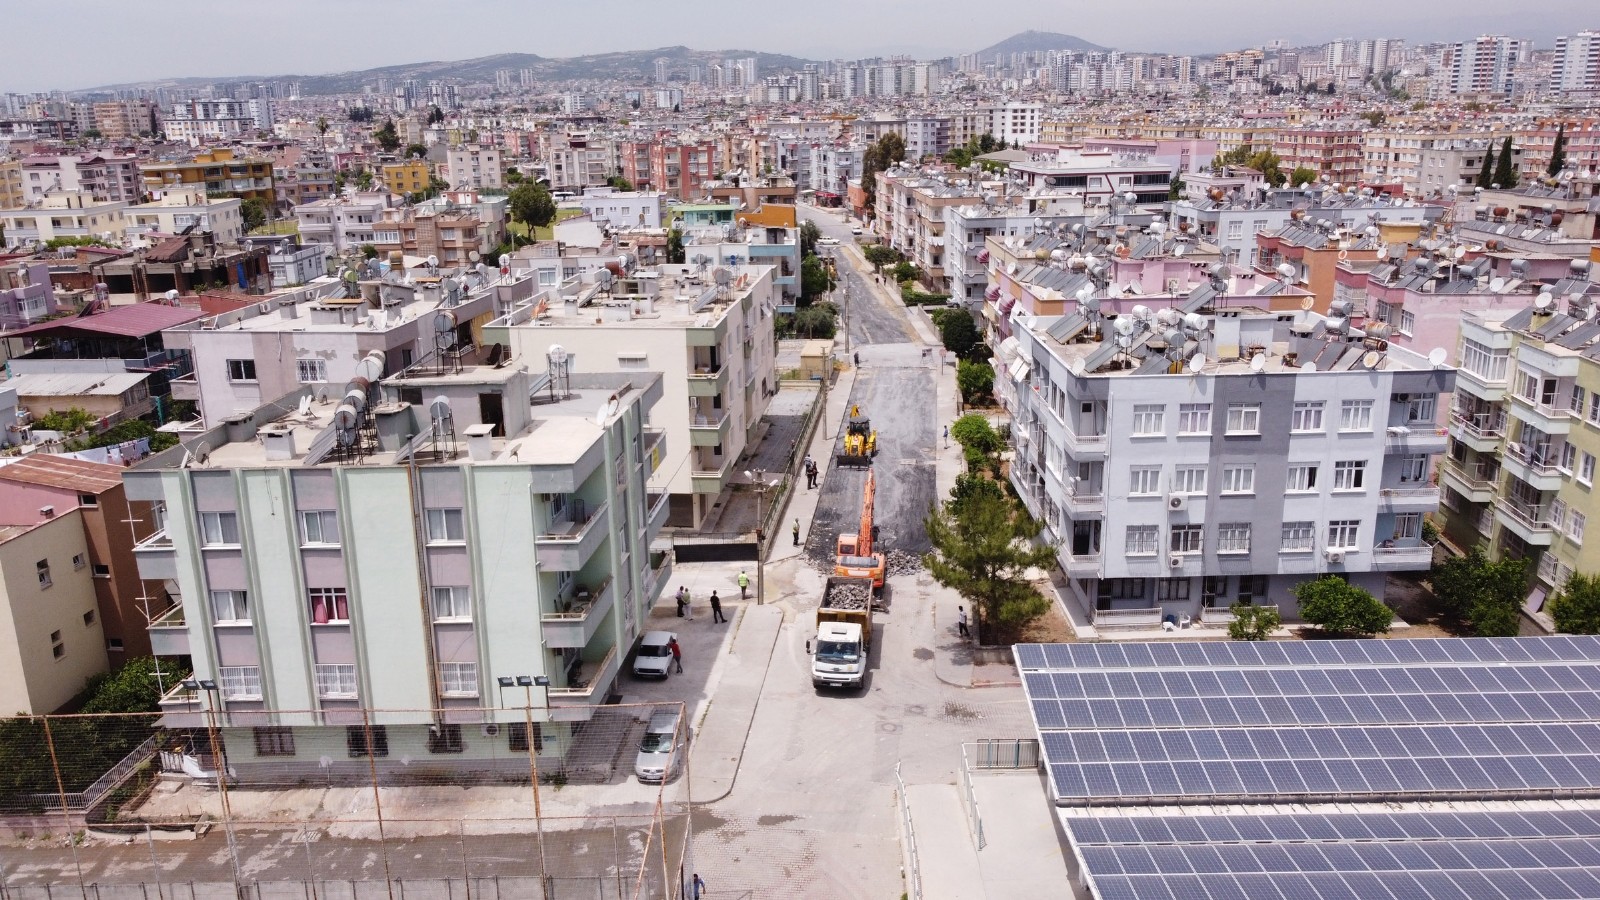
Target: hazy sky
{"points": [[94, 42]]}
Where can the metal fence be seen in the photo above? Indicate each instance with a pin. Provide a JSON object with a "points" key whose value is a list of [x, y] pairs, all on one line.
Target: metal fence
{"points": [[974, 816], [1005, 753], [914, 876], [499, 803]]}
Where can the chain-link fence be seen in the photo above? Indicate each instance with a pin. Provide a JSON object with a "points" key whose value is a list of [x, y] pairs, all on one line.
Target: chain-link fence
{"points": [[506, 802]]}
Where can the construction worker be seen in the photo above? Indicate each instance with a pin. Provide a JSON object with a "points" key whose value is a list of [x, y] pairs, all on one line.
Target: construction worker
{"points": [[744, 585]]}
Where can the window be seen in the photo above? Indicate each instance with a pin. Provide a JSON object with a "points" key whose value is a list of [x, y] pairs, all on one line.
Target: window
{"points": [[1172, 589], [1234, 538], [1414, 468], [445, 525], [1420, 409], [336, 681], [1528, 385], [631, 362], [1593, 416], [1342, 534], [1569, 455], [1143, 540], [1239, 479], [1302, 478], [330, 604], [272, 741], [1244, 418], [459, 679], [1194, 418], [1298, 537], [1408, 322], [100, 570], [1188, 538], [1108, 589], [311, 371], [1144, 480], [517, 737], [1355, 415], [1408, 525], [88, 618], [445, 739], [88, 500], [1189, 480], [241, 370], [240, 682], [1212, 588], [452, 603], [1349, 475], [1558, 515], [1575, 524], [1586, 468], [230, 607], [1252, 588], [1575, 401], [78, 562], [319, 526], [114, 645], [1147, 419], [42, 568], [219, 529], [1307, 415], [58, 648], [367, 740]]}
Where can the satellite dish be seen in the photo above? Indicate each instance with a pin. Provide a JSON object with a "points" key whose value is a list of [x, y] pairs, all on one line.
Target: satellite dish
{"points": [[1371, 359], [1496, 285], [1177, 252], [1308, 367], [474, 255], [1436, 356], [1135, 289], [1459, 252], [1197, 363], [1308, 302], [1258, 362], [1544, 301], [1076, 367]]}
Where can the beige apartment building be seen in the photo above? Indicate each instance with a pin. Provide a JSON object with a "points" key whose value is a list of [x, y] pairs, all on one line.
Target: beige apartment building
{"points": [[51, 641]]}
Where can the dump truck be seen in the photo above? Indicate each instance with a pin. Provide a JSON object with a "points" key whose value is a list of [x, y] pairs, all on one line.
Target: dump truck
{"points": [[855, 554], [860, 442], [844, 633]]}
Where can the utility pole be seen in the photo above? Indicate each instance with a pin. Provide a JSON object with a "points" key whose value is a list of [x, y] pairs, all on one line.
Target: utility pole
{"points": [[760, 479]]}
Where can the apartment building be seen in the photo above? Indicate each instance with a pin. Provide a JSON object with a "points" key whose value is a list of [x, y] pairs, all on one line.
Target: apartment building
{"points": [[449, 235], [623, 209], [13, 192], [473, 168], [576, 159], [341, 223], [1454, 162], [373, 560], [1100, 177], [1518, 476], [1581, 144], [119, 120], [910, 216], [1233, 222], [177, 211], [26, 294], [218, 171], [968, 227], [1575, 71], [1483, 66], [1207, 457], [51, 642], [65, 215], [410, 177], [706, 328], [682, 168], [1335, 152], [104, 177]]}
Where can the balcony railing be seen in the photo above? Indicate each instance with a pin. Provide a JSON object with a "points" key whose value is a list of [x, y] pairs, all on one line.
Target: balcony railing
{"points": [[1535, 517], [1539, 459], [1487, 426], [570, 543]]}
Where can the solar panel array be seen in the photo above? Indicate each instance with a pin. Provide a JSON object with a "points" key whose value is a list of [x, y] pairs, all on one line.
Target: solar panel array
{"points": [[1500, 855], [1263, 721]]}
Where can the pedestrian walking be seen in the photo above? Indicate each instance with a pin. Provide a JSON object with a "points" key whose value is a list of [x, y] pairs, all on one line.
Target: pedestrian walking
{"points": [[716, 609], [677, 654], [961, 621], [797, 532], [683, 600], [947, 436], [858, 359], [699, 886], [744, 585], [811, 476]]}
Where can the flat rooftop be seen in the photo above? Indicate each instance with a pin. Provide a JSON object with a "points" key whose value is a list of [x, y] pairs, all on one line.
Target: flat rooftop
{"points": [[686, 298]]}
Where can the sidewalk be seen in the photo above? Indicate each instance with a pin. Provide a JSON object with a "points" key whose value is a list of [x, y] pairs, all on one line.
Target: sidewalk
{"points": [[720, 737], [1023, 854]]}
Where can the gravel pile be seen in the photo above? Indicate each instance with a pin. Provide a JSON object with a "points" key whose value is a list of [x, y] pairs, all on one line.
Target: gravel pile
{"points": [[899, 562], [847, 596]]}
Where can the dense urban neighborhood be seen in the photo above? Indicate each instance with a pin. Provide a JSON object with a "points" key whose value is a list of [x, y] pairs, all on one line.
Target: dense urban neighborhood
{"points": [[1046, 471]]}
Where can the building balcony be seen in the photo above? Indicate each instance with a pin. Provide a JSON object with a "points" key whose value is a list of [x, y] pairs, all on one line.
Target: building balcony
{"points": [[1401, 556], [1536, 466], [1529, 522], [1548, 419], [169, 633], [1409, 498], [1082, 565], [183, 708], [574, 625], [657, 577], [1084, 501], [656, 513], [1480, 386], [1087, 446], [575, 704], [1474, 482], [570, 544], [1480, 431], [1549, 569], [709, 429], [1416, 439], [156, 558], [710, 481], [708, 381], [655, 448]]}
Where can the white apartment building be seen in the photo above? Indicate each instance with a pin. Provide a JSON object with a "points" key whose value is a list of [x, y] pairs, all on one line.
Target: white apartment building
{"points": [[1232, 223], [388, 558], [910, 216], [1219, 456], [1015, 121], [341, 223], [64, 215], [473, 168], [708, 330], [967, 227], [623, 209], [107, 178], [1398, 157], [180, 210], [1450, 163], [1576, 66], [1102, 177]]}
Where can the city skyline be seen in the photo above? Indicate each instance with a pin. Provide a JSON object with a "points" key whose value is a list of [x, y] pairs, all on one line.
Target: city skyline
{"points": [[933, 29]]}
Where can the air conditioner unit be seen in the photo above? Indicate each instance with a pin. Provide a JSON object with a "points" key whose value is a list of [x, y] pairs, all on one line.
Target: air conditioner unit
{"points": [[1175, 560], [1333, 556], [1177, 502], [491, 729]]}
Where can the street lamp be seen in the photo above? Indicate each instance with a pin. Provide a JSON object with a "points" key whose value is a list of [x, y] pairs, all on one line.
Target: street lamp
{"points": [[195, 685], [760, 479], [527, 682]]}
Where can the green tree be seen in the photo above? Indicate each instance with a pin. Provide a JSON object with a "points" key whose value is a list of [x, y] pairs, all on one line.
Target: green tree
{"points": [[1486, 174], [1576, 609], [133, 688], [617, 182], [369, 251], [879, 156], [416, 151], [958, 333], [1302, 175], [881, 256], [93, 134], [363, 179], [1175, 189], [975, 380], [1484, 594], [67, 421], [1340, 607], [816, 321], [905, 271], [322, 133], [815, 279], [1505, 171], [1266, 162], [982, 549], [675, 253], [809, 235], [387, 137], [980, 443], [435, 115], [532, 205], [1558, 152], [1253, 623], [254, 210]]}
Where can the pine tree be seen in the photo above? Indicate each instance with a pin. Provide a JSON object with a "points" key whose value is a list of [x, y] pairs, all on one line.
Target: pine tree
{"points": [[1505, 173], [1558, 152], [1486, 174]]}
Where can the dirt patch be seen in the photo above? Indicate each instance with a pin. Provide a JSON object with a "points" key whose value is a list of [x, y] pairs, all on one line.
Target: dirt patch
{"points": [[1050, 628], [922, 653], [769, 820], [958, 711], [1411, 597]]}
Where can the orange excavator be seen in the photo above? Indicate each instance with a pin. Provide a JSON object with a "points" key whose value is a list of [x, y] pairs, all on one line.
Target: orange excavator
{"points": [[856, 556]]}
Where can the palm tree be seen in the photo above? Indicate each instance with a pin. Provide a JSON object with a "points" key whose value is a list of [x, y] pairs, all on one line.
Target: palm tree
{"points": [[322, 132]]}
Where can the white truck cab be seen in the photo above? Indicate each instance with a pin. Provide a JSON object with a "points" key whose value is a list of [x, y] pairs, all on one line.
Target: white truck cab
{"points": [[839, 658]]}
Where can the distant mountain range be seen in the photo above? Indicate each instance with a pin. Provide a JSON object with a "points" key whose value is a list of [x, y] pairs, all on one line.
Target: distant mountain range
{"points": [[1038, 42]]}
